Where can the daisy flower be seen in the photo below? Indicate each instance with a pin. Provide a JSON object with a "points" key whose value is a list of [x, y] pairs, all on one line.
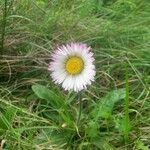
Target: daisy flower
{"points": [[72, 66]]}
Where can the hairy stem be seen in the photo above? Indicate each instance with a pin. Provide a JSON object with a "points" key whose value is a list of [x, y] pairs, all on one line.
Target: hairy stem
{"points": [[80, 108]]}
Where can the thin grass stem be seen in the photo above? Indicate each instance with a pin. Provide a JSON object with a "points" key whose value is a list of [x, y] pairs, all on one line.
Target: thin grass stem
{"points": [[126, 108], [4, 26]]}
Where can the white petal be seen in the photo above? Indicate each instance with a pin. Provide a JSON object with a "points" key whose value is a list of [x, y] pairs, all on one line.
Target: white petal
{"points": [[72, 82]]}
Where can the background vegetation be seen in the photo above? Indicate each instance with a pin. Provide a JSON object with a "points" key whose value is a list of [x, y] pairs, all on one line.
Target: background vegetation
{"points": [[37, 115]]}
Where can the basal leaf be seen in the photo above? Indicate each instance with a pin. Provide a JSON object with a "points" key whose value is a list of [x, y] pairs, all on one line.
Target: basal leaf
{"points": [[104, 107], [44, 93]]}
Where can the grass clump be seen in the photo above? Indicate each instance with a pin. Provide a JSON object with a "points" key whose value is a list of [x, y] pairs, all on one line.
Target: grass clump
{"points": [[36, 114]]}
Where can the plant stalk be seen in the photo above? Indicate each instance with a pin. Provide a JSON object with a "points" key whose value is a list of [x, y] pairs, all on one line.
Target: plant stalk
{"points": [[80, 108], [127, 121]]}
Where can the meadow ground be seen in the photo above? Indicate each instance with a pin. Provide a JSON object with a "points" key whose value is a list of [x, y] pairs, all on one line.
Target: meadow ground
{"points": [[35, 114]]}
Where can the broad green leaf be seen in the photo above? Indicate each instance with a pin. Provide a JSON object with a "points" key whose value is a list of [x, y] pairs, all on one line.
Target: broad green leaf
{"points": [[56, 101], [105, 106], [44, 93]]}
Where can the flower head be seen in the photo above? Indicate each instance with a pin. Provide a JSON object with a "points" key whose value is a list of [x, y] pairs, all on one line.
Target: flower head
{"points": [[72, 66]]}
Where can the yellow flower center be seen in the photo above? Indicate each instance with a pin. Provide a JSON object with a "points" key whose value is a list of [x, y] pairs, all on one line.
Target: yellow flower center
{"points": [[74, 65]]}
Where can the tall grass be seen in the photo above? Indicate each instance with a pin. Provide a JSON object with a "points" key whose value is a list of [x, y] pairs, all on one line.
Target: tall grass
{"points": [[118, 32], [3, 26]]}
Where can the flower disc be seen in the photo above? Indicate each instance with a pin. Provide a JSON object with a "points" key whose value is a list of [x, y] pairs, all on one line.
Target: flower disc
{"points": [[74, 65]]}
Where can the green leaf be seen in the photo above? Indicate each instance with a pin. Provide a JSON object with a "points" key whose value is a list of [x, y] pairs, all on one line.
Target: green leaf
{"points": [[56, 101], [140, 145], [44, 93], [121, 125], [105, 105], [92, 129]]}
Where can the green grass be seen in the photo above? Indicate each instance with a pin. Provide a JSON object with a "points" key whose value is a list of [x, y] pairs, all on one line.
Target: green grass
{"points": [[35, 114]]}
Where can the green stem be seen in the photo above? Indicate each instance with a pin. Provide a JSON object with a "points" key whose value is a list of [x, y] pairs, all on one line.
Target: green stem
{"points": [[3, 26], [126, 135], [80, 108]]}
